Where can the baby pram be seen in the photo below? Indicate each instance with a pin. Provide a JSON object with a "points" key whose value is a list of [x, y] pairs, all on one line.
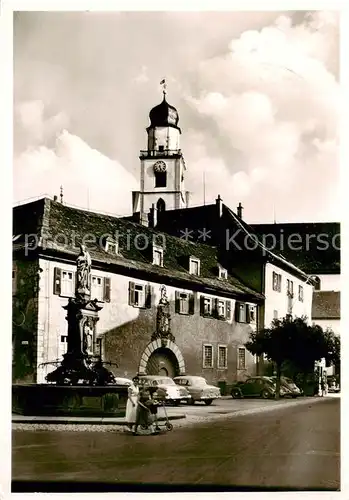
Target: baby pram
{"points": [[150, 415]]}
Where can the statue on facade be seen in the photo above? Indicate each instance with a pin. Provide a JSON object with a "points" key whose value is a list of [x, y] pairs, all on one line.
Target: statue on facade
{"points": [[163, 317], [83, 279]]}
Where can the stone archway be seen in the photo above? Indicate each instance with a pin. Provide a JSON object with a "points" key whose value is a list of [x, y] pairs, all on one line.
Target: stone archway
{"points": [[166, 353]]}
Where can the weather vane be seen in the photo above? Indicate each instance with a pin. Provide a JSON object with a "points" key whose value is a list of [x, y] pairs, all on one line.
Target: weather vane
{"points": [[164, 86]]}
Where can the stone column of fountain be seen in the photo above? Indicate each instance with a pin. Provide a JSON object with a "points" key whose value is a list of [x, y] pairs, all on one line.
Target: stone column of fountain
{"points": [[82, 363]]}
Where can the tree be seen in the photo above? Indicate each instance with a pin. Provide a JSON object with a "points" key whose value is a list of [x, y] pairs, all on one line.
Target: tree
{"points": [[291, 340]]}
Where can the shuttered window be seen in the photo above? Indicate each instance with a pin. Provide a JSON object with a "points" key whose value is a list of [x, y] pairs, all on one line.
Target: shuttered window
{"points": [[140, 295], [184, 303]]}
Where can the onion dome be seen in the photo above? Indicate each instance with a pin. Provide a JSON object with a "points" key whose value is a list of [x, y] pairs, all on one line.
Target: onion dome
{"points": [[164, 115]]}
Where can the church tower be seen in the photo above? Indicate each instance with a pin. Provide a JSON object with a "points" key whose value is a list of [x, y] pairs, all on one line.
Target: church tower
{"points": [[163, 168]]}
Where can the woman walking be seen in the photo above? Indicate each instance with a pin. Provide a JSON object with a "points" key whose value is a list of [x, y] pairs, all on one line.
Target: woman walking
{"points": [[132, 402]]}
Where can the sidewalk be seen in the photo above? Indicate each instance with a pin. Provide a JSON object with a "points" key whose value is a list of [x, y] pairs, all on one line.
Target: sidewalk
{"points": [[28, 419]]}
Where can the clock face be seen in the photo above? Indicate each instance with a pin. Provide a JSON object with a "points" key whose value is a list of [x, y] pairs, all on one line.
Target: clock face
{"points": [[160, 166]]}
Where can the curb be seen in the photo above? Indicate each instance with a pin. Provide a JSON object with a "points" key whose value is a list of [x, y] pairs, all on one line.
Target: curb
{"points": [[22, 419]]}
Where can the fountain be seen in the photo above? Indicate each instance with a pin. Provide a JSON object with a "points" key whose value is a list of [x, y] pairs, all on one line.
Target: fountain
{"points": [[80, 385]]}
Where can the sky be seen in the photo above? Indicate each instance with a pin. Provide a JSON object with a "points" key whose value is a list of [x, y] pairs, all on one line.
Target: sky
{"points": [[257, 94]]}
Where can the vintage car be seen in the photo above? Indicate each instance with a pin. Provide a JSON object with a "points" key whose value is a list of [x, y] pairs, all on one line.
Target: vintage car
{"points": [[198, 389], [289, 384], [123, 381], [260, 387], [167, 390]]}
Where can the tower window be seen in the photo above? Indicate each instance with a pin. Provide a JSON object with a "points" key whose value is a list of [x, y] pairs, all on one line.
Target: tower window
{"points": [[161, 148], [160, 179], [161, 205]]}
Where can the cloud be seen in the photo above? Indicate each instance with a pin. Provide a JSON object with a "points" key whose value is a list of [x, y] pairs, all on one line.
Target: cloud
{"points": [[273, 97], [89, 178]]}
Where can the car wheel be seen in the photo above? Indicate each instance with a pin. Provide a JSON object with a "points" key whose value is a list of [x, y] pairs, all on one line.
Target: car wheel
{"points": [[191, 401], [176, 402], [208, 402], [265, 394], [236, 394]]}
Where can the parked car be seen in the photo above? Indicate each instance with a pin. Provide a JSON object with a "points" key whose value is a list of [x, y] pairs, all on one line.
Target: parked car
{"points": [[287, 382], [198, 389], [167, 389], [333, 385], [260, 387], [123, 381]]}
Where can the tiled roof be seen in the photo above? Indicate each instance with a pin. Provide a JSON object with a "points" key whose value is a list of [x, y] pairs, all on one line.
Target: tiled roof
{"points": [[314, 256], [62, 229], [312, 246], [326, 305]]}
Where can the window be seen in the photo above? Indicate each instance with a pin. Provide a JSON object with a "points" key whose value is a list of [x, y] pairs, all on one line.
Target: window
{"points": [[64, 339], [221, 308], [222, 273], [100, 288], [194, 266], [97, 288], [241, 358], [290, 288], [160, 179], [140, 295], [67, 285], [111, 246], [161, 147], [276, 282], [240, 312], [158, 256], [207, 356], [251, 313], [184, 303], [206, 306], [245, 313], [222, 356], [300, 293]]}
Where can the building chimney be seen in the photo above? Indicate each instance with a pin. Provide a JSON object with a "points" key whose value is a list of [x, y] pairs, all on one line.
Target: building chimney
{"points": [[152, 216], [239, 210], [55, 198], [219, 205]]}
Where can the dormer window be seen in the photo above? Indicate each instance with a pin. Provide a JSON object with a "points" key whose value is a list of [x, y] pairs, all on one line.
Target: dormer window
{"points": [[222, 273], [111, 246], [194, 266], [158, 256]]}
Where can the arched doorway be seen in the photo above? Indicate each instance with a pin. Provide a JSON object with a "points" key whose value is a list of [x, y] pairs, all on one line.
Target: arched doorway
{"points": [[162, 362], [161, 357]]}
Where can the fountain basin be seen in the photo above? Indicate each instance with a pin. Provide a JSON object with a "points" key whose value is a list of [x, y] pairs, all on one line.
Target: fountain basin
{"points": [[69, 400]]}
